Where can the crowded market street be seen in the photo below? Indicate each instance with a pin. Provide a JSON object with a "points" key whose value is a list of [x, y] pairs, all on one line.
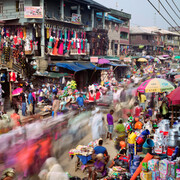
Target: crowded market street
{"points": [[85, 94]]}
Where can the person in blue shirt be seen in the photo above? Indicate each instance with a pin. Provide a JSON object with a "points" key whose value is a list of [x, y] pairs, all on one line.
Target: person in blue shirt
{"points": [[80, 101], [100, 149], [30, 102]]}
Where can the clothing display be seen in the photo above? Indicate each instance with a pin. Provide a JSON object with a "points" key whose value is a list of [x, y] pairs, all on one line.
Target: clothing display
{"points": [[66, 41], [99, 42], [2, 77], [12, 76]]}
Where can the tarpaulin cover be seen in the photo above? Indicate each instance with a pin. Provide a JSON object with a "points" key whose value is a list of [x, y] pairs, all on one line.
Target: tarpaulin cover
{"points": [[79, 66], [109, 18], [120, 65]]}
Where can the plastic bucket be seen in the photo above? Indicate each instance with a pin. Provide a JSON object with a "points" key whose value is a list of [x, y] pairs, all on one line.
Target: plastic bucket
{"points": [[140, 140], [145, 132], [149, 143], [131, 138]]}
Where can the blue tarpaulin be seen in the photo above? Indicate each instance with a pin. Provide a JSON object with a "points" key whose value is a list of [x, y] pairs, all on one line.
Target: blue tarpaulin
{"points": [[120, 65], [79, 66], [110, 18]]}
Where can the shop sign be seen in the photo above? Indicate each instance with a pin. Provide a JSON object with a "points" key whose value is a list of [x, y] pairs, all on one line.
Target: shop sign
{"points": [[76, 18], [33, 12], [54, 68], [94, 59]]}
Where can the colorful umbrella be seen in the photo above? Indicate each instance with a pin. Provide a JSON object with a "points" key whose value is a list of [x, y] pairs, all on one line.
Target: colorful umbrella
{"points": [[165, 55], [17, 91], [155, 85], [177, 77], [174, 96], [142, 60], [177, 57], [103, 61]]}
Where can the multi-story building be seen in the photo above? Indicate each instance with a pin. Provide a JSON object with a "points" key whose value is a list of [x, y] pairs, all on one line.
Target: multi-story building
{"points": [[153, 39], [117, 23]]}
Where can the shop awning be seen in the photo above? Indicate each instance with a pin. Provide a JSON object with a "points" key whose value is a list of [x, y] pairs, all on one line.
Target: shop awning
{"points": [[90, 66], [120, 65], [71, 66], [79, 66], [51, 74]]}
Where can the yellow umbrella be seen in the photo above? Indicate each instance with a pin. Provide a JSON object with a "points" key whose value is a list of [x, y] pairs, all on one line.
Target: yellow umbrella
{"points": [[142, 60]]}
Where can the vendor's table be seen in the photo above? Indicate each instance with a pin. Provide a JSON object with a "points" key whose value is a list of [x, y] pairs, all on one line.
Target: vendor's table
{"points": [[82, 160]]}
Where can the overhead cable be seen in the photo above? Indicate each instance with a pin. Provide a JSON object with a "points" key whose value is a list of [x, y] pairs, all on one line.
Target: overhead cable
{"points": [[162, 16], [168, 13], [172, 9], [175, 5]]}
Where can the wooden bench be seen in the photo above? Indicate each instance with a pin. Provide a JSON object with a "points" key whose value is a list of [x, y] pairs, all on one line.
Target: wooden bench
{"points": [[45, 114]]}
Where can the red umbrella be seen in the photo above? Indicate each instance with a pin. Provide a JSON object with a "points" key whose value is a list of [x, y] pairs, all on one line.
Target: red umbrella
{"points": [[174, 96]]}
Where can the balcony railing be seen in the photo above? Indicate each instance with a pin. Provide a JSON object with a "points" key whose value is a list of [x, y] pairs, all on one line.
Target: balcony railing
{"points": [[11, 13]]}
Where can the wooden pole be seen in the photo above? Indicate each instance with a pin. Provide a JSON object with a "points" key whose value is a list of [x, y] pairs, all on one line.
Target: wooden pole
{"points": [[172, 118], [10, 91], [176, 112]]}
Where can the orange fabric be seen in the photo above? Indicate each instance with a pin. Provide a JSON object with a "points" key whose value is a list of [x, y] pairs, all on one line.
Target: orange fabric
{"points": [[26, 158], [138, 125], [138, 170], [16, 118], [45, 145]]}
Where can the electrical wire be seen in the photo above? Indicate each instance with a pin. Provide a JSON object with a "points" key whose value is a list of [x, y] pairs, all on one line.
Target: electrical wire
{"points": [[172, 9], [168, 13], [162, 16], [175, 5]]}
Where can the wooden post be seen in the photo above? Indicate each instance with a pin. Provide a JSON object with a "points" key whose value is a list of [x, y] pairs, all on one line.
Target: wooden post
{"points": [[172, 118], [10, 90]]}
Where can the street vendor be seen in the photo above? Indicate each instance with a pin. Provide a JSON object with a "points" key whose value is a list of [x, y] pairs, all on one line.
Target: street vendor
{"points": [[101, 150], [98, 168], [121, 153]]}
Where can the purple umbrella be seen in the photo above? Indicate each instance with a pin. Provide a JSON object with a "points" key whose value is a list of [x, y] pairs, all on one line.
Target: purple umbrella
{"points": [[165, 55], [103, 61]]}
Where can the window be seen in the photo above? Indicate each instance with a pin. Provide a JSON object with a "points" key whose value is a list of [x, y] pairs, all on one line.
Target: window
{"points": [[124, 35], [19, 5], [145, 37], [133, 37], [1, 7], [35, 2]]}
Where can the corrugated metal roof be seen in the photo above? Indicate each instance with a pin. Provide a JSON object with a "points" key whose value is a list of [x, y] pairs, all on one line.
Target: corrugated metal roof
{"points": [[150, 30]]}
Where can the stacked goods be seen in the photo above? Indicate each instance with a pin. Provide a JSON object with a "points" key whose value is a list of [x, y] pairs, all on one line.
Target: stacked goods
{"points": [[99, 42]]}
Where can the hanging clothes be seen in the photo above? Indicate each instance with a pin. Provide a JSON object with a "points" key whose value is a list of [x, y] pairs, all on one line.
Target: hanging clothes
{"points": [[55, 50], [47, 33], [65, 34], [3, 77], [12, 76], [69, 45], [35, 45], [21, 34], [24, 32], [51, 39], [60, 50]]}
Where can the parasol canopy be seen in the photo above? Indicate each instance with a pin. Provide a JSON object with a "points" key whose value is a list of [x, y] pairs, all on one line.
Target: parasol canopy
{"points": [[17, 91], [177, 57], [177, 77], [165, 55], [174, 96], [103, 61], [155, 85], [142, 60]]}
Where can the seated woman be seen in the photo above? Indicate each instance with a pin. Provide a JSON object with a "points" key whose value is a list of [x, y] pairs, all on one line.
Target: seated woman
{"points": [[121, 153], [98, 168]]}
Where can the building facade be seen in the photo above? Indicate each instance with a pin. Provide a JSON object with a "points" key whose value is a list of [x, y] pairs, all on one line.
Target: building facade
{"points": [[154, 40]]}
